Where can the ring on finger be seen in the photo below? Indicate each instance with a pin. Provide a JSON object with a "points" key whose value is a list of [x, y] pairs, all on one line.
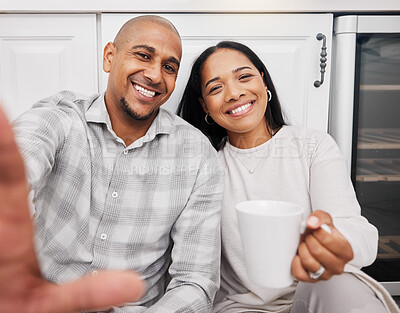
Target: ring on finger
{"points": [[318, 273]]}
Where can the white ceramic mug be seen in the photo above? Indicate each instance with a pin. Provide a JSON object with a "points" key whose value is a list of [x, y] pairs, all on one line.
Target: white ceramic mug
{"points": [[270, 233]]}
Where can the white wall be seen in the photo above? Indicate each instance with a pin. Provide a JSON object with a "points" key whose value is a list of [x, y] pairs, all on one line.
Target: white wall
{"points": [[159, 6]]}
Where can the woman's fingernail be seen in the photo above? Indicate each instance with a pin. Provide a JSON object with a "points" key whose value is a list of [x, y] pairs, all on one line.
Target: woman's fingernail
{"points": [[313, 221], [326, 228]]}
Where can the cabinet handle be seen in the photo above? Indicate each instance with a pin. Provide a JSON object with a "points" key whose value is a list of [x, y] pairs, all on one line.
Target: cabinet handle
{"points": [[323, 55]]}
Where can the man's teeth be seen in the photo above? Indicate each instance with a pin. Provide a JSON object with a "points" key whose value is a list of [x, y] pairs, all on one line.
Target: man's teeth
{"points": [[145, 92], [243, 107]]}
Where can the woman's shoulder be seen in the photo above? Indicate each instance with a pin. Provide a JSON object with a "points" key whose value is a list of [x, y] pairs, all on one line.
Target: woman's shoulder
{"points": [[306, 138], [301, 131]]}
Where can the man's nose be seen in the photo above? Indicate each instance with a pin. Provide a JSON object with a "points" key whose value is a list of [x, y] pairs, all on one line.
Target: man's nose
{"points": [[153, 73]]}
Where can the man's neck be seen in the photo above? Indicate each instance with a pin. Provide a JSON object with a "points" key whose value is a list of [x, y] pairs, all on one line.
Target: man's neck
{"points": [[126, 127], [131, 131]]}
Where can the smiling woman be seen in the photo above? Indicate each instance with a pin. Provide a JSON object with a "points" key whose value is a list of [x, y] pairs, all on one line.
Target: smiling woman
{"points": [[249, 71], [266, 159], [235, 97]]}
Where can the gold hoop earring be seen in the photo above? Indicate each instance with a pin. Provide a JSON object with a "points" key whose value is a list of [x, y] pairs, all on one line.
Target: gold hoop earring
{"points": [[270, 95], [206, 119]]}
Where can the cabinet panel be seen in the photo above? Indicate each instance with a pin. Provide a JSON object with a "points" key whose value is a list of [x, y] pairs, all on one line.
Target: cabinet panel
{"points": [[286, 43], [42, 54]]}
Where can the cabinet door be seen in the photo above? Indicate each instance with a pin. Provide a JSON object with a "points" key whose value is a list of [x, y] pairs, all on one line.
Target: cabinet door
{"points": [[286, 43], [42, 54]]}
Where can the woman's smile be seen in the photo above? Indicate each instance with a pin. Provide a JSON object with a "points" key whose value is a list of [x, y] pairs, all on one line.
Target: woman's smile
{"points": [[240, 109]]}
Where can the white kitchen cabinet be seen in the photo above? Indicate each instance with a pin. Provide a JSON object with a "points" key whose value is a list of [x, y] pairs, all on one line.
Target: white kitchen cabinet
{"points": [[287, 44], [41, 54]]}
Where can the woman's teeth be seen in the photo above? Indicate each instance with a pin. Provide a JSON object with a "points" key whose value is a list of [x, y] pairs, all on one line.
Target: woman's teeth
{"points": [[243, 107], [145, 92]]}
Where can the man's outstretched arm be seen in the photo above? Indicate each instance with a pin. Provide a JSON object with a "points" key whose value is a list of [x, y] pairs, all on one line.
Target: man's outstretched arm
{"points": [[22, 288]]}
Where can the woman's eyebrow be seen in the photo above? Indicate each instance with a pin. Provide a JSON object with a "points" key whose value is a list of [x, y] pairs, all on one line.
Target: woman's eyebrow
{"points": [[211, 80], [241, 69], [233, 71]]}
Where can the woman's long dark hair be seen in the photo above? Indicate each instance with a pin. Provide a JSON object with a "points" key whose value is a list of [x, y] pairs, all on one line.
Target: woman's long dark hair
{"points": [[191, 110]]}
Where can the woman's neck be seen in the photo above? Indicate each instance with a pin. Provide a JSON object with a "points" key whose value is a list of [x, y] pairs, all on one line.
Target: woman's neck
{"points": [[249, 140]]}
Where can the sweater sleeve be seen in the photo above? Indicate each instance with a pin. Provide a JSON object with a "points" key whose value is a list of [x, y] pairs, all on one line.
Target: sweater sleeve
{"points": [[331, 190]]}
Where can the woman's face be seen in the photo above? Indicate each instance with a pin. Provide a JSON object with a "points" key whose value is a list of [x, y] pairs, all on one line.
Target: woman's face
{"points": [[234, 94]]}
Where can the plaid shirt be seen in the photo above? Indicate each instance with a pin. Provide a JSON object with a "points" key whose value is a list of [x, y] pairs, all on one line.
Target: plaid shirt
{"points": [[153, 207]]}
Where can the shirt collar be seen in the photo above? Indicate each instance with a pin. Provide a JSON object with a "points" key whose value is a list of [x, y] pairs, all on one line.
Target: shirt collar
{"points": [[162, 124], [97, 112]]}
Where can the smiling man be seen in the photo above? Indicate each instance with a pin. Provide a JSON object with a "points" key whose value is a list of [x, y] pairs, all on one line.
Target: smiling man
{"points": [[142, 63], [119, 184]]}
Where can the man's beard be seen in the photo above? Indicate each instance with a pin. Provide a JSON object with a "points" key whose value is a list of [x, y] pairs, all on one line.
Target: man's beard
{"points": [[132, 114]]}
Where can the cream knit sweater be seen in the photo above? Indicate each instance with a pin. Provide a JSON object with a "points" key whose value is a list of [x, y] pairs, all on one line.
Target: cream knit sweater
{"points": [[297, 165]]}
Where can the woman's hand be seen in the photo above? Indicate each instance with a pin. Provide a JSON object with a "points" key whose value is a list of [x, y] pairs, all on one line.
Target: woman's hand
{"points": [[319, 247], [22, 288]]}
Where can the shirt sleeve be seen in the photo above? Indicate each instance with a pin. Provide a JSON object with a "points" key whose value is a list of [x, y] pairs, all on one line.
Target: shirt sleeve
{"points": [[195, 267], [39, 133], [331, 190]]}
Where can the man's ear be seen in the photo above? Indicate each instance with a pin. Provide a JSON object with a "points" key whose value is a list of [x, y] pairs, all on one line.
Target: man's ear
{"points": [[108, 55], [203, 105]]}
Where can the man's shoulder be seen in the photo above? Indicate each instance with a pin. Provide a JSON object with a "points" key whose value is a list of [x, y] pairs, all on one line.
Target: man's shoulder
{"points": [[57, 112], [188, 137], [181, 128], [67, 100]]}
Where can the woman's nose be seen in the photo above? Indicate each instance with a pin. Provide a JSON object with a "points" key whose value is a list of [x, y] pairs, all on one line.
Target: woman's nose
{"points": [[233, 92]]}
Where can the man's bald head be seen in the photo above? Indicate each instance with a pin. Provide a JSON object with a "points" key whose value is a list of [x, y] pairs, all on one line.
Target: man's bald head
{"points": [[128, 29], [143, 64]]}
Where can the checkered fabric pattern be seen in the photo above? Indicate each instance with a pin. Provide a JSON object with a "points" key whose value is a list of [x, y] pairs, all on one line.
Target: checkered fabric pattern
{"points": [[152, 207]]}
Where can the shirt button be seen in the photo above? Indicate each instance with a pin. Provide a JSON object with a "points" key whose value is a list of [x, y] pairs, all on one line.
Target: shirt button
{"points": [[125, 152], [114, 194], [103, 236], [94, 273]]}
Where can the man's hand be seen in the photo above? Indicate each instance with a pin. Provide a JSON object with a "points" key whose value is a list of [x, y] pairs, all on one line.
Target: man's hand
{"points": [[22, 288], [321, 245]]}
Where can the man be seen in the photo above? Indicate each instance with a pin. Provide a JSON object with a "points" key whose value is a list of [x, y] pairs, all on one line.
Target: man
{"points": [[119, 184]]}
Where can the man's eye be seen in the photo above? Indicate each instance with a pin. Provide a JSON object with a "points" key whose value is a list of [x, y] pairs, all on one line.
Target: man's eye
{"points": [[169, 68], [143, 56]]}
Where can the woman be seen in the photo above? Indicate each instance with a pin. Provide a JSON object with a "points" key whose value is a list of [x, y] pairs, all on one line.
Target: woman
{"points": [[230, 97]]}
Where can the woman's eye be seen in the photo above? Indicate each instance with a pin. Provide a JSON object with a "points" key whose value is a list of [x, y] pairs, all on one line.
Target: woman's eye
{"points": [[245, 76], [213, 89]]}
